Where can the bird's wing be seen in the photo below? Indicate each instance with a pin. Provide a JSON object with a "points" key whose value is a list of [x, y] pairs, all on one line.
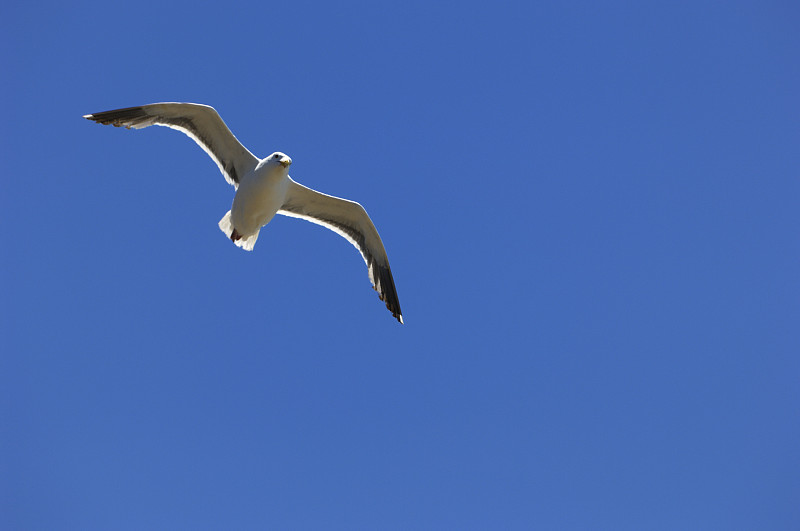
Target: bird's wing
{"points": [[350, 220], [200, 122]]}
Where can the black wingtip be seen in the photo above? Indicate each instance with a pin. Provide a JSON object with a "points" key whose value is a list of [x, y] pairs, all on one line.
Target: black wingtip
{"points": [[387, 291], [119, 117]]}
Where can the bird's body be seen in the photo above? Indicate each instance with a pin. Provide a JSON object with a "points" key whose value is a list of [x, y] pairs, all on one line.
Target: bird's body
{"points": [[264, 187], [260, 195]]}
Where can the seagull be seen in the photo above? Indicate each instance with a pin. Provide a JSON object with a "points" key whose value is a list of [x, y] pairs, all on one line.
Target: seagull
{"points": [[264, 187]]}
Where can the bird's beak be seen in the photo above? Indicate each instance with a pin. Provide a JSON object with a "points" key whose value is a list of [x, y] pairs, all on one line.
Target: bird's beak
{"points": [[286, 162]]}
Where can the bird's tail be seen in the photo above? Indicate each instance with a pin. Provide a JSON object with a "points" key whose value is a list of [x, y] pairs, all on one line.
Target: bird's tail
{"points": [[245, 242]]}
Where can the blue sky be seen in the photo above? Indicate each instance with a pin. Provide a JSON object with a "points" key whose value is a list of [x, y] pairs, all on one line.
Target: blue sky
{"points": [[591, 215]]}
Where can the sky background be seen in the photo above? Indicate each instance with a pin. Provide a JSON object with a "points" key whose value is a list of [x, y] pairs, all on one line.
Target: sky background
{"points": [[591, 213]]}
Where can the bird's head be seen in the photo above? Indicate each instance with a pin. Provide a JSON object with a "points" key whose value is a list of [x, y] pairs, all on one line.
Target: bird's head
{"points": [[280, 158]]}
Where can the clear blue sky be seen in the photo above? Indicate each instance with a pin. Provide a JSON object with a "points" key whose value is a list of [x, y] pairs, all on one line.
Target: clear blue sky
{"points": [[591, 212]]}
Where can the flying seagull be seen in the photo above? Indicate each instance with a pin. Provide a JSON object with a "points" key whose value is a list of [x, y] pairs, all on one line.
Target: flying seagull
{"points": [[264, 188]]}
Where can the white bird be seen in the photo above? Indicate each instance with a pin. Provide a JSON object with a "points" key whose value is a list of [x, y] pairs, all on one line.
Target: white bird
{"points": [[264, 187]]}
